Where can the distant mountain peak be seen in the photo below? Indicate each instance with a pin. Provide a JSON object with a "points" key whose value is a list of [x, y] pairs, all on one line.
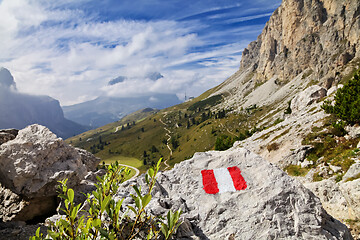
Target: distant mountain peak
{"points": [[154, 76], [117, 80], [6, 79], [151, 75]]}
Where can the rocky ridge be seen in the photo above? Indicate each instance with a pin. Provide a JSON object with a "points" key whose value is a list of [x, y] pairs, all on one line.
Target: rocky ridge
{"points": [[282, 144], [306, 49], [322, 36], [305, 42]]}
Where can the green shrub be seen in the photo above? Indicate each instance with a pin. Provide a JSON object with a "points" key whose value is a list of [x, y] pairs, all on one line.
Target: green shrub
{"points": [[317, 177], [105, 218], [338, 128], [208, 102], [277, 121], [296, 170], [339, 177], [224, 142], [272, 147], [288, 109], [347, 102]]}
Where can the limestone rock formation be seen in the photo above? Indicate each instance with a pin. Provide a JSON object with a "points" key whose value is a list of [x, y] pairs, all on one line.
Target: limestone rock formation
{"points": [[353, 172], [296, 157], [306, 34], [273, 206], [305, 42], [30, 166], [341, 199]]}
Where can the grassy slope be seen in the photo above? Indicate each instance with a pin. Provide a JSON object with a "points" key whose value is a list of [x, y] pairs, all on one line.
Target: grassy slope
{"points": [[149, 131], [132, 142]]}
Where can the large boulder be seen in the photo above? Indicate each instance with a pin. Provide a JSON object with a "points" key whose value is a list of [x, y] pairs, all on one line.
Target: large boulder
{"points": [[30, 167], [340, 199], [296, 157], [307, 97], [273, 205]]}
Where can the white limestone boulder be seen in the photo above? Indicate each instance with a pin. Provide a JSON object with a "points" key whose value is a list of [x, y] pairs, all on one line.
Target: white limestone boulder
{"points": [[273, 206], [30, 167], [307, 97]]}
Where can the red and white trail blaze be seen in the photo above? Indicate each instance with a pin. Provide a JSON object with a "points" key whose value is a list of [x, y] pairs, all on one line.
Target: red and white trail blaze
{"points": [[223, 180]]}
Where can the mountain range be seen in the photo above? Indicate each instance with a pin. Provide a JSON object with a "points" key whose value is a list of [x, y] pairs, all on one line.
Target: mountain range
{"points": [[305, 43], [298, 165], [104, 110], [107, 109], [19, 110]]}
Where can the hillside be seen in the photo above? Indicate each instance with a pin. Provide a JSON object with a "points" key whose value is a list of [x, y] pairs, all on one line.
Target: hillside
{"points": [[294, 51], [185, 128], [271, 106]]}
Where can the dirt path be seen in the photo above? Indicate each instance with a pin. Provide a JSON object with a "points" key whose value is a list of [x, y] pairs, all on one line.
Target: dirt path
{"points": [[137, 172], [222, 125], [167, 142]]}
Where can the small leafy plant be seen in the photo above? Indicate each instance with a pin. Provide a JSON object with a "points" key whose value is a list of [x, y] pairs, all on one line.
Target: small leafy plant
{"points": [[104, 217]]}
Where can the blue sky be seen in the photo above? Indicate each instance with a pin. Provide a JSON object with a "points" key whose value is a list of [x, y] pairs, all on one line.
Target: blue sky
{"points": [[71, 49]]}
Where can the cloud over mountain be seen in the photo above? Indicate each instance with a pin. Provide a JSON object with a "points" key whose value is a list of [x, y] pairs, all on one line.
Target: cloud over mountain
{"points": [[19, 110]]}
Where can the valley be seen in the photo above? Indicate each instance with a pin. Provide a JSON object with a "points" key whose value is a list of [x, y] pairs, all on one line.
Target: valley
{"points": [[279, 139], [174, 134], [273, 106]]}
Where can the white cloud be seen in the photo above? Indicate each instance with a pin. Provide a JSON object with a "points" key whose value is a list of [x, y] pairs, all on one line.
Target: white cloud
{"points": [[70, 55]]}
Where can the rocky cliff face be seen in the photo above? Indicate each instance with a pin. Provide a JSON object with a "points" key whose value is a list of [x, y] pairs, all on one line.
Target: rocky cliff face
{"points": [[305, 42], [19, 110], [316, 35]]}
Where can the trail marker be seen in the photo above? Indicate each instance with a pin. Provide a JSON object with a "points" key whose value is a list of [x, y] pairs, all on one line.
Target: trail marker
{"points": [[223, 180]]}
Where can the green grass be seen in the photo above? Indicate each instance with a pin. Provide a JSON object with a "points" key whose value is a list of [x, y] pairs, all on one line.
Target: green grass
{"points": [[296, 170], [211, 101], [357, 176], [330, 149], [198, 136], [124, 160], [317, 177]]}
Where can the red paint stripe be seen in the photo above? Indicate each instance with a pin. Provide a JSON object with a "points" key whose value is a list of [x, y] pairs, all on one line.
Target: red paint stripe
{"points": [[209, 182], [239, 181]]}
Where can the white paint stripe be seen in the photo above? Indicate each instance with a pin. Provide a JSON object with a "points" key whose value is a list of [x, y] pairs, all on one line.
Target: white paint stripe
{"points": [[224, 180]]}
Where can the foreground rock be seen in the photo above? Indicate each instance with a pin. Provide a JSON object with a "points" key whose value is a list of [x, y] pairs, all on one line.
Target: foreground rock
{"points": [[341, 199], [7, 135], [273, 206], [31, 166]]}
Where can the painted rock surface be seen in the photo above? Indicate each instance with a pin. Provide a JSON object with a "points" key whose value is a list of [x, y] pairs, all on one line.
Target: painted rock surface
{"points": [[248, 198]]}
